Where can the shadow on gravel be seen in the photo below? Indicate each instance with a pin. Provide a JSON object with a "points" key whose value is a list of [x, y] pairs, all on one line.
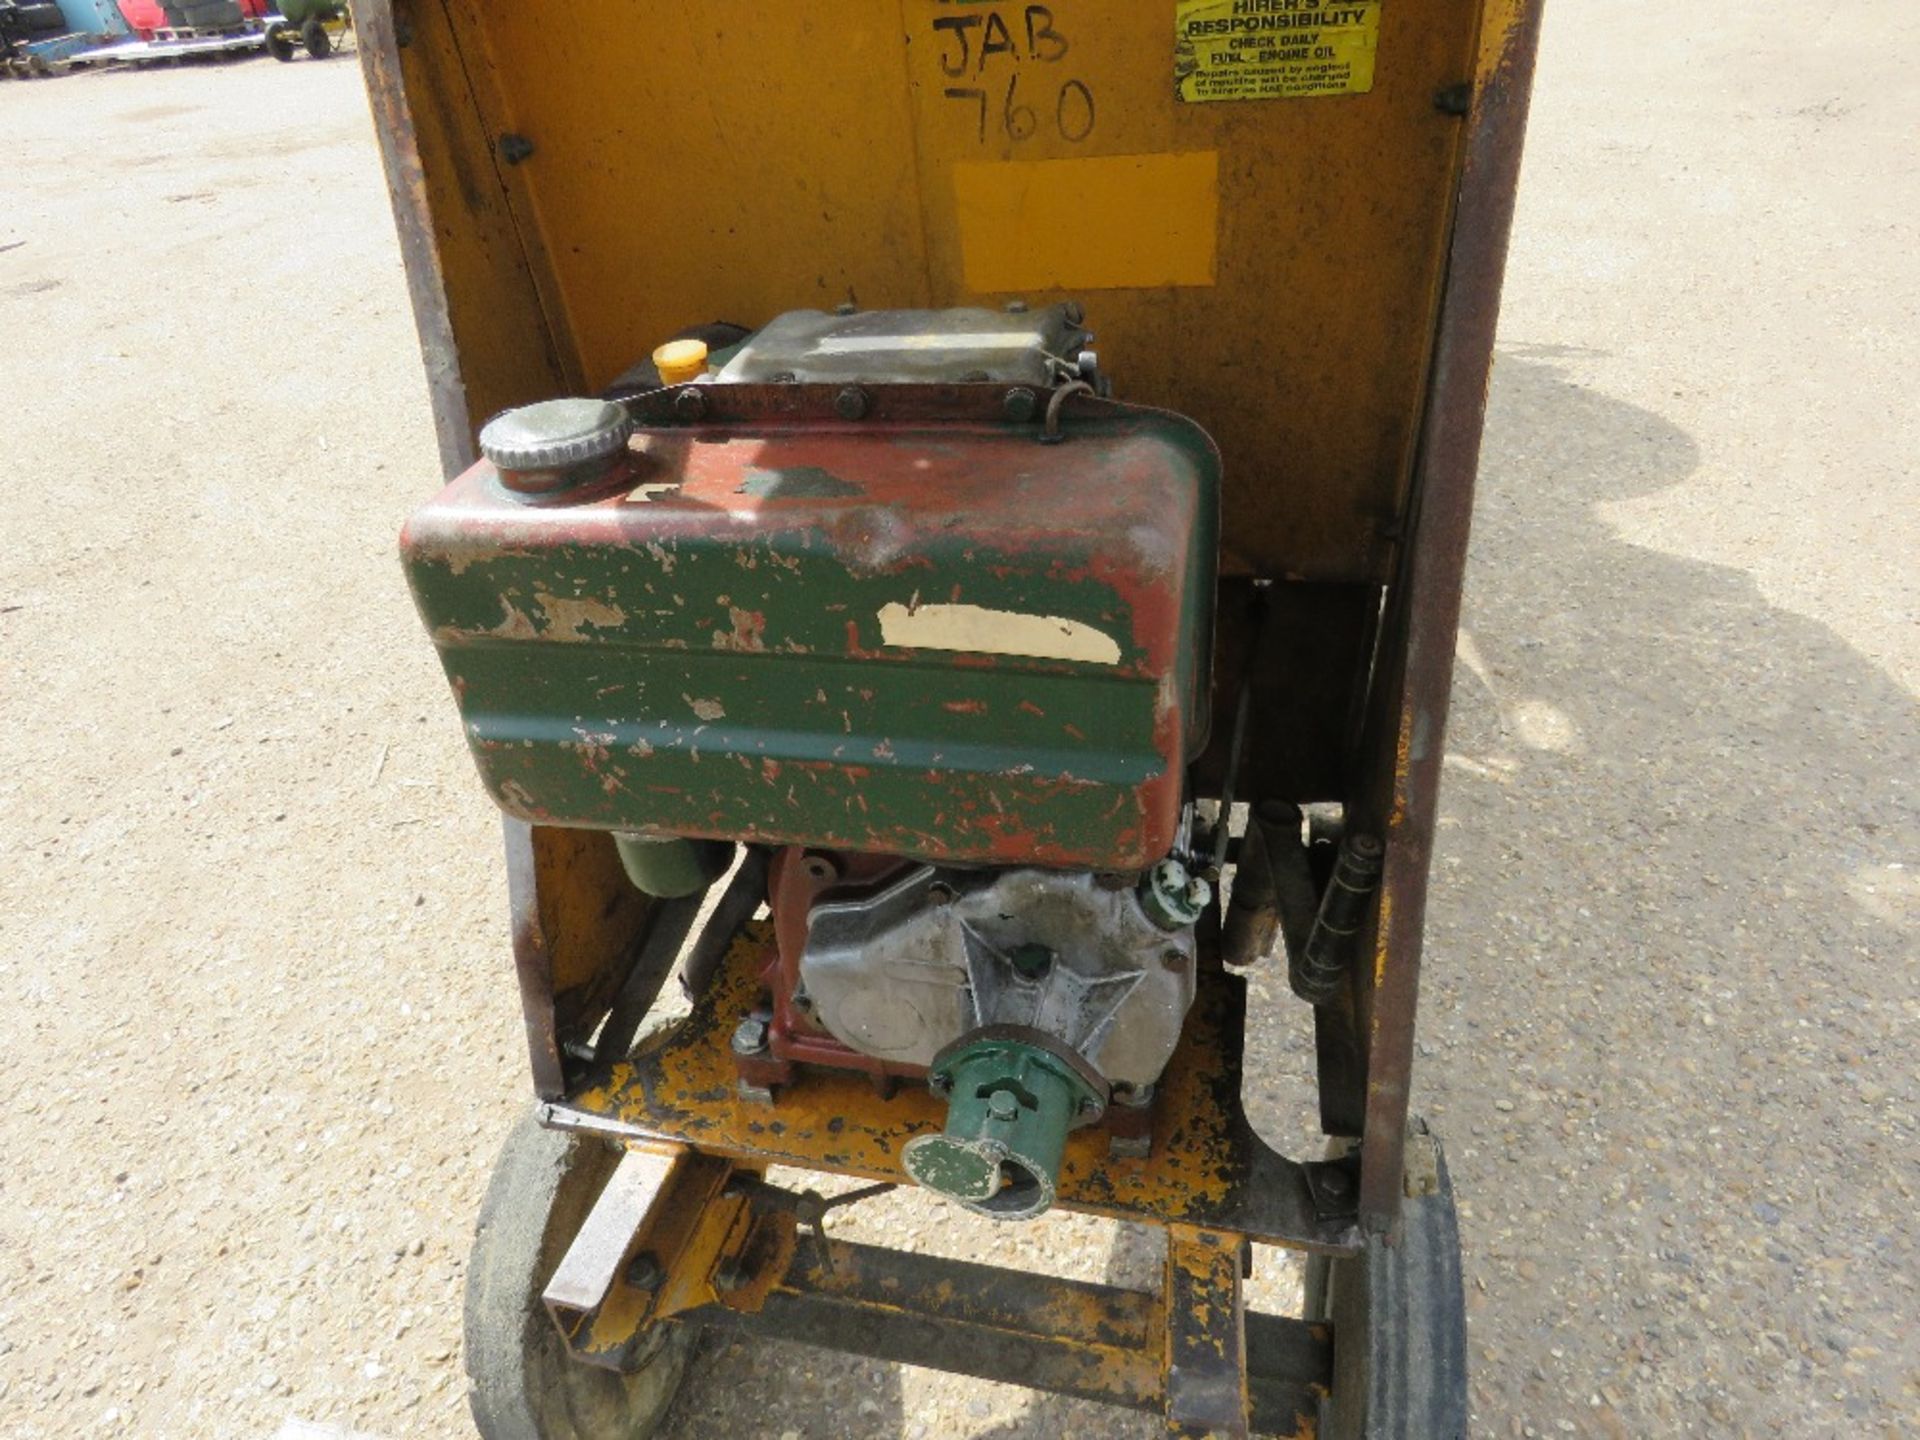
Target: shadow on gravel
{"points": [[1668, 951], [1670, 942]]}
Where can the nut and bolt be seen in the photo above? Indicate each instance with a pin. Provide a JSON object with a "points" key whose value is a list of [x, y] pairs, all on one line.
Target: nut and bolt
{"points": [[1174, 959], [851, 403], [940, 893], [750, 1036], [845, 308], [820, 869], [690, 404], [1020, 405], [1335, 1184], [1016, 307], [729, 1275], [645, 1272], [1074, 312], [1002, 1106]]}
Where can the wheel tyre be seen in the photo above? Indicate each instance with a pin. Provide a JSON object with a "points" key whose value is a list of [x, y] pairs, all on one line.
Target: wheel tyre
{"points": [[1399, 1316], [523, 1385], [314, 36], [279, 43]]}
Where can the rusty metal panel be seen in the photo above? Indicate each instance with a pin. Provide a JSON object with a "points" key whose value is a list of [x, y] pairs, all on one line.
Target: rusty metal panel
{"points": [[927, 635], [484, 336], [733, 160], [1409, 714]]}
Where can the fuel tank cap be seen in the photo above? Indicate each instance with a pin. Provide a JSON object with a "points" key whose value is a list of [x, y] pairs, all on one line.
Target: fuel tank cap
{"points": [[529, 443]]}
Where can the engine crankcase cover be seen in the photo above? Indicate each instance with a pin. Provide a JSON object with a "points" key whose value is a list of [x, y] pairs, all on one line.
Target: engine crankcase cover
{"points": [[924, 633], [936, 954]]}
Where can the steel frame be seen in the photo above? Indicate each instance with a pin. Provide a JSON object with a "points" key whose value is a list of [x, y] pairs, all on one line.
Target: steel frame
{"points": [[680, 1237]]}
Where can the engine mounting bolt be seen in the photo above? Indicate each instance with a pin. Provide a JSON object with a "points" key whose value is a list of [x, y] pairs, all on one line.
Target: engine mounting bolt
{"points": [[1020, 405], [750, 1036], [690, 404], [644, 1271], [1002, 1106], [851, 403]]}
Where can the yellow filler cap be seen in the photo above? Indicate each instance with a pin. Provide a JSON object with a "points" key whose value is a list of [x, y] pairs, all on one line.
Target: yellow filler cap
{"points": [[679, 361]]}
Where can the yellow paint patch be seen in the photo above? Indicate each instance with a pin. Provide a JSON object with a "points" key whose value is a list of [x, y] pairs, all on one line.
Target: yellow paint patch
{"points": [[1111, 222]]}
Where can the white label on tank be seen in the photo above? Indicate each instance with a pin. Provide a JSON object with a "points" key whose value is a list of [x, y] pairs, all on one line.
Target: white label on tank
{"points": [[981, 631]]}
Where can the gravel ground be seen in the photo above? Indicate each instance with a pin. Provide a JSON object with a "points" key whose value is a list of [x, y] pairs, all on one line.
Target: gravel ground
{"points": [[257, 1038]]}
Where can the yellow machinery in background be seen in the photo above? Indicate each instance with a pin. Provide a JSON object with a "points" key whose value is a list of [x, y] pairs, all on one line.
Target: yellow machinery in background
{"points": [[1249, 253]]}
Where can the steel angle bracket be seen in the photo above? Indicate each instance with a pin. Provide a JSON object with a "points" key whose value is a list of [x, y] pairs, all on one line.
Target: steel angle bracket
{"points": [[665, 1236]]}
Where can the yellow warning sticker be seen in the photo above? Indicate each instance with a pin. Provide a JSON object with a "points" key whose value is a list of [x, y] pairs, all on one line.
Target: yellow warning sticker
{"points": [[1273, 49]]}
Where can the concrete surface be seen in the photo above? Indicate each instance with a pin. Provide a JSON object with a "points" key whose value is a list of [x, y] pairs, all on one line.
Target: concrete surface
{"points": [[258, 1041]]}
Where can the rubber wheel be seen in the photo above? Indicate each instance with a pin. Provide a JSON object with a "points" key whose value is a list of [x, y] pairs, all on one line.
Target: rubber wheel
{"points": [[1399, 1315], [314, 36], [523, 1385], [279, 43]]}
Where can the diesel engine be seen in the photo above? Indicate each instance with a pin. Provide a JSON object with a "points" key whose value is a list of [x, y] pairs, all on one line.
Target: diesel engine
{"points": [[836, 591]]}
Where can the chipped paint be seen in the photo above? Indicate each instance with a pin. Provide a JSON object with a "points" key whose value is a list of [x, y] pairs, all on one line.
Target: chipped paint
{"points": [[568, 619], [1042, 689]]}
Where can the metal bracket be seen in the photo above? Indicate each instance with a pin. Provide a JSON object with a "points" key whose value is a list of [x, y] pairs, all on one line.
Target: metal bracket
{"points": [[1206, 1367], [648, 1249]]}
